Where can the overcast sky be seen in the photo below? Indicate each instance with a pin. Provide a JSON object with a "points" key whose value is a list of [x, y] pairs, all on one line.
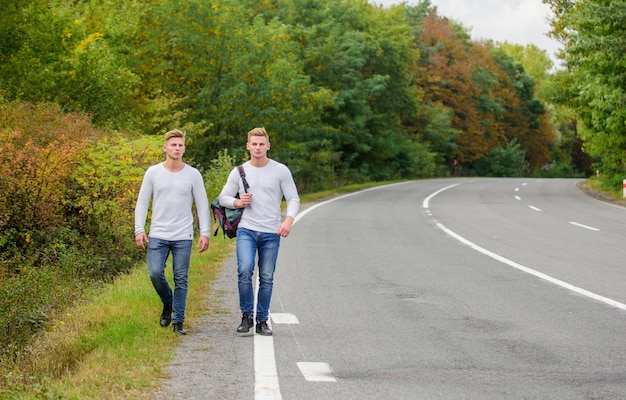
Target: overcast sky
{"points": [[515, 21]]}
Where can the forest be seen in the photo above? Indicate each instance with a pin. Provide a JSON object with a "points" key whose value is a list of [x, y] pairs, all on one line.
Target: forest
{"points": [[350, 92]]}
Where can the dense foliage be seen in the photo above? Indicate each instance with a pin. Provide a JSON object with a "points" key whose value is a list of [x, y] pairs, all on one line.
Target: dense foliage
{"points": [[349, 91], [68, 189], [593, 34]]}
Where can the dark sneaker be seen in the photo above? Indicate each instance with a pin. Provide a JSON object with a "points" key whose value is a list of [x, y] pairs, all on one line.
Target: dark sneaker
{"points": [[263, 329], [166, 315], [246, 323], [178, 328]]}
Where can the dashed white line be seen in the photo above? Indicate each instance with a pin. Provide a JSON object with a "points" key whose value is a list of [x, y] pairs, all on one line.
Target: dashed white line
{"points": [[591, 228], [284, 318], [316, 372], [266, 385], [535, 208]]}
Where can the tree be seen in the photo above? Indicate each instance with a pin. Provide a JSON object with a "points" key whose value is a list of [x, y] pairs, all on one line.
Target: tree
{"points": [[536, 61], [594, 36], [491, 97], [504, 161], [72, 54], [449, 74], [32, 49], [222, 72], [360, 55], [525, 116]]}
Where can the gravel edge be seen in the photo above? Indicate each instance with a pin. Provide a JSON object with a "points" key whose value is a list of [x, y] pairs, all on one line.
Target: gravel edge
{"points": [[211, 361]]}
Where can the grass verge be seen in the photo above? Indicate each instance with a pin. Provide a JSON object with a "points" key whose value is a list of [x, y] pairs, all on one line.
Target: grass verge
{"points": [[110, 346]]}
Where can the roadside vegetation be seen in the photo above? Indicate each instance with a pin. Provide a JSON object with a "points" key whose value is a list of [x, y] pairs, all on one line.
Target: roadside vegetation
{"points": [[108, 344], [351, 93]]}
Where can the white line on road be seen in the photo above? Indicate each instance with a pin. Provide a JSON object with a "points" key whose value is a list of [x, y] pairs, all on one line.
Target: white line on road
{"points": [[538, 274], [316, 372], [534, 208], [591, 228], [266, 385], [427, 199], [308, 210], [520, 267], [284, 318]]}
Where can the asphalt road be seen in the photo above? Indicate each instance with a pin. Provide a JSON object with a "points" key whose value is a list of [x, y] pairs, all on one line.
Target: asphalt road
{"points": [[437, 289]]}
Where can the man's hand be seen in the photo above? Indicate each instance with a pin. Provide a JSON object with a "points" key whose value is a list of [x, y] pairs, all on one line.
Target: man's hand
{"points": [[141, 239], [245, 200], [285, 227], [203, 243]]}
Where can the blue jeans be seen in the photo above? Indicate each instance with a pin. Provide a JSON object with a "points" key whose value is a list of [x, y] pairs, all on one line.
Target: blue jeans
{"points": [[158, 251], [249, 243]]}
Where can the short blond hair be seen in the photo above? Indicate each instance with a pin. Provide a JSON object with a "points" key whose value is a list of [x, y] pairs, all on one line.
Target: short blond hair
{"points": [[174, 133], [258, 132]]}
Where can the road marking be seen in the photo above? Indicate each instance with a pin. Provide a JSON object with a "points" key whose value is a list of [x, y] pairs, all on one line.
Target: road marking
{"points": [[520, 267], [534, 208], [427, 199], [266, 385], [308, 210], [591, 228], [284, 318], [517, 198], [530, 271], [316, 372]]}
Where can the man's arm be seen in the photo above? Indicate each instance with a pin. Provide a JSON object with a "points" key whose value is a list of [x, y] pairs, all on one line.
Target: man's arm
{"points": [[202, 205], [290, 192], [230, 189], [202, 208], [141, 211]]}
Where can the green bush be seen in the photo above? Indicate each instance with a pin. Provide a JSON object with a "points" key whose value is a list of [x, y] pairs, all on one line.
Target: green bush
{"points": [[66, 213], [560, 170], [504, 161]]}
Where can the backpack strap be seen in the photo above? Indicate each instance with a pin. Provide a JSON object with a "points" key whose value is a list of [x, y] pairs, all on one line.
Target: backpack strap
{"points": [[242, 173]]}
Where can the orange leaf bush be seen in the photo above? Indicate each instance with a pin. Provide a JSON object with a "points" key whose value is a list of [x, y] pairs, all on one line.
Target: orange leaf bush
{"points": [[66, 213]]}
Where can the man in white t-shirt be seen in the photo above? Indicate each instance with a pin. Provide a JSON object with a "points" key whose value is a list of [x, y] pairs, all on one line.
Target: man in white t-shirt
{"points": [[173, 187], [260, 229]]}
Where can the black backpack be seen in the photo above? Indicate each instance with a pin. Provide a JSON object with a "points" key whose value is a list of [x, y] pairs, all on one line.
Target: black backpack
{"points": [[229, 218]]}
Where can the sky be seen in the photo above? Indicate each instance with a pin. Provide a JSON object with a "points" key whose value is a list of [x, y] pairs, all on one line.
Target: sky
{"points": [[515, 21]]}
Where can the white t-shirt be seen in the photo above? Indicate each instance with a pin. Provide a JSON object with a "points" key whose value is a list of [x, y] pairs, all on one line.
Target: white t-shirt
{"points": [[173, 194], [268, 185]]}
